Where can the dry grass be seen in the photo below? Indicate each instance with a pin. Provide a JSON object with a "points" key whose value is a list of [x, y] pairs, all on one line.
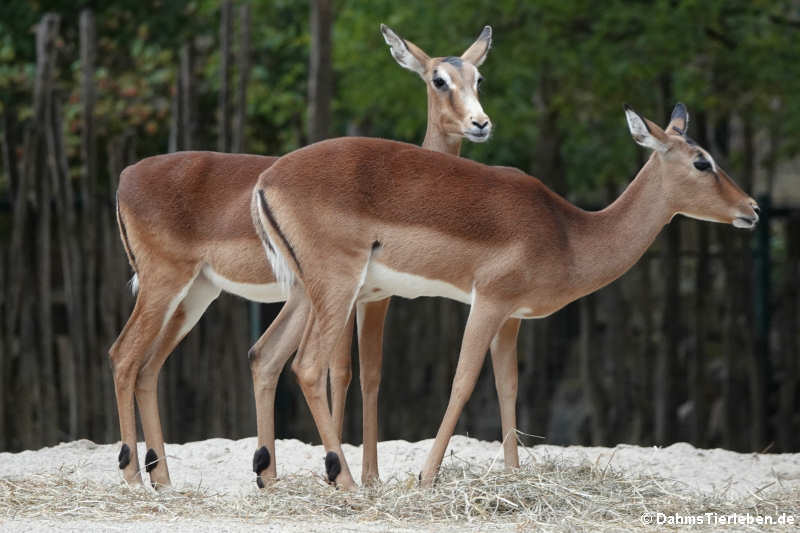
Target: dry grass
{"points": [[549, 493]]}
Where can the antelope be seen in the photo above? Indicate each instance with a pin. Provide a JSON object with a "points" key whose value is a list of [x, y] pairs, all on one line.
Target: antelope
{"points": [[181, 224], [382, 218]]}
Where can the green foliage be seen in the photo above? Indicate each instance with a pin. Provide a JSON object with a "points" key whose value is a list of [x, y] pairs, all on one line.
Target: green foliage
{"points": [[558, 69]]}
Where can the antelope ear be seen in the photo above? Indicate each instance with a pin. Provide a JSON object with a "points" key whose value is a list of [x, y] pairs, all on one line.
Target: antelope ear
{"points": [[679, 119], [407, 54], [476, 53], [645, 132]]}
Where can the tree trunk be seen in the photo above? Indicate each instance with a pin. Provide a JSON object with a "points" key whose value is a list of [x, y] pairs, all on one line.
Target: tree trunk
{"points": [[186, 97], [320, 75], [225, 31], [9, 147], [243, 68]]}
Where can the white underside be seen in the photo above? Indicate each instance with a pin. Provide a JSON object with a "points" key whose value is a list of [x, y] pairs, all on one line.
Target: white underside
{"points": [[257, 292], [391, 282]]}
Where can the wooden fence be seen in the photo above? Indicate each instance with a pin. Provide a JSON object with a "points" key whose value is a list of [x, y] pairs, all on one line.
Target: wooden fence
{"points": [[692, 344]]}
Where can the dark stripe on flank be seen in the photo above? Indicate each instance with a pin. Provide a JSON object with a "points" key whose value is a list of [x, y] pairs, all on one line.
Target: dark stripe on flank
{"points": [[125, 240], [274, 224]]}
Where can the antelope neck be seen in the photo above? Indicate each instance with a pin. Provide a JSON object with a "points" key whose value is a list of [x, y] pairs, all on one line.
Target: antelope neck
{"points": [[605, 244], [436, 139]]}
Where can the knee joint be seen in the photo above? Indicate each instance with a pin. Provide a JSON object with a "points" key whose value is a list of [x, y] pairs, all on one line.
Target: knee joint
{"points": [[307, 375]]}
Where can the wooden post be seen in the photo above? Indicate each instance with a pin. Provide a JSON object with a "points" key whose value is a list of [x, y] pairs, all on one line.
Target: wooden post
{"points": [[320, 75], [88, 46], [4, 353], [592, 396], [789, 339], [668, 352]]}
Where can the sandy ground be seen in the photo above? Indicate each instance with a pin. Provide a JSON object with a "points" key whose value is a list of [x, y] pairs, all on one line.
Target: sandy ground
{"points": [[225, 466]]}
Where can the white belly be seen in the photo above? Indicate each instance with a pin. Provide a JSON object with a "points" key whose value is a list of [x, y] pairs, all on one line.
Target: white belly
{"points": [[257, 292], [381, 282]]}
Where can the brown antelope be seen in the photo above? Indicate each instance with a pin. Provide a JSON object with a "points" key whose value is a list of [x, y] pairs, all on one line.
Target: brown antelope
{"points": [[355, 219], [180, 220]]}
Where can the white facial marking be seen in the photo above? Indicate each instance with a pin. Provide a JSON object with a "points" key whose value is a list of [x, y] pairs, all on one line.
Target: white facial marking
{"points": [[710, 160], [256, 292], [441, 73]]}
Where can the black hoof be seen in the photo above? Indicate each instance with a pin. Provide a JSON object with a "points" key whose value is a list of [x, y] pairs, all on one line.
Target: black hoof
{"points": [[332, 466], [261, 462], [150, 460], [124, 456]]}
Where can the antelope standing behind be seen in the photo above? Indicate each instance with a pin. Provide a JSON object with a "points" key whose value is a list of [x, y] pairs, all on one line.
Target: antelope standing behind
{"points": [[355, 219], [180, 220]]}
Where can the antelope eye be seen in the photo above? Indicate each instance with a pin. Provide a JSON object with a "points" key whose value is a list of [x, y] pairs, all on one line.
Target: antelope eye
{"points": [[480, 80], [439, 83], [702, 165]]}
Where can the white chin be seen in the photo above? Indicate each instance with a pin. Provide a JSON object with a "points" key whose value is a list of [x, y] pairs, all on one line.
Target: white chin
{"points": [[477, 138], [743, 223]]}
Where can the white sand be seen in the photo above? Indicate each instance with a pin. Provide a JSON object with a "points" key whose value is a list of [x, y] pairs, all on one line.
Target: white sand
{"points": [[225, 466]]}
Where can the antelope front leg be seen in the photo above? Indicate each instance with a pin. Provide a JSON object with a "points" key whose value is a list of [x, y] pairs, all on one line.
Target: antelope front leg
{"points": [[484, 320], [371, 317], [504, 366]]}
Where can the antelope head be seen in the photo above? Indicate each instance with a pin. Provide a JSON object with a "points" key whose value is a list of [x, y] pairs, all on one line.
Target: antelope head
{"points": [[453, 105], [693, 184]]}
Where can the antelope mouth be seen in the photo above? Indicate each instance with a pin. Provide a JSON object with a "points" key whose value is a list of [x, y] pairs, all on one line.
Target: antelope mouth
{"points": [[745, 222], [478, 136]]}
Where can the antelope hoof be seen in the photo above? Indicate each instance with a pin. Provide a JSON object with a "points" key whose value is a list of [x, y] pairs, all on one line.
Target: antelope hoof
{"points": [[124, 457], [150, 460], [332, 467], [261, 460]]}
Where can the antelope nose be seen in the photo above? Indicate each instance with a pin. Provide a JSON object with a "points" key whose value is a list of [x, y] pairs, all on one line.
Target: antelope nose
{"points": [[479, 125], [756, 208]]}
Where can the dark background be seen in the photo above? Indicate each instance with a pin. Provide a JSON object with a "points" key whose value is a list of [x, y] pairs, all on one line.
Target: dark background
{"points": [[698, 342]]}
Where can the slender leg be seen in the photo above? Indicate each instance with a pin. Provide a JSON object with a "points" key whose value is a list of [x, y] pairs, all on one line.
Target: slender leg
{"points": [[482, 325], [323, 332], [371, 317], [504, 365], [341, 373], [130, 352], [267, 358], [186, 315]]}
